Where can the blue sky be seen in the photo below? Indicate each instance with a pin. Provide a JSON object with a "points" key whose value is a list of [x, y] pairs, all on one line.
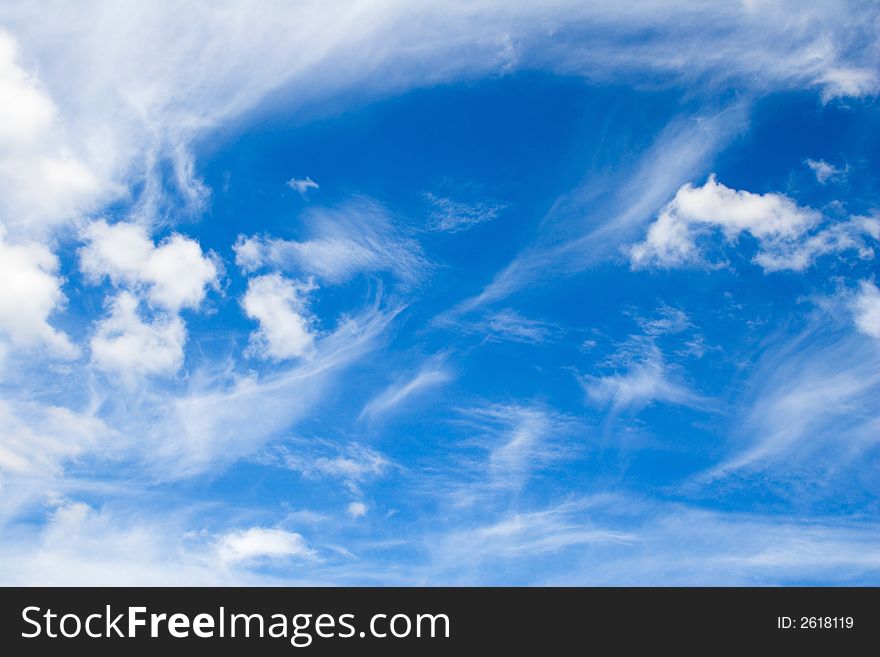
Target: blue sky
{"points": [[439, 293]]}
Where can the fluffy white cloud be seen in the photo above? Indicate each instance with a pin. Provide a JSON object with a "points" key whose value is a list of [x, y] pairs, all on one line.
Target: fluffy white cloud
{"points": [[783, 229], [125, 344], [257, 543], [866, 308], [29, 293], [357, 509], [279, 305], [174, 274], [344, 241], [508, 324], [41, 183]]}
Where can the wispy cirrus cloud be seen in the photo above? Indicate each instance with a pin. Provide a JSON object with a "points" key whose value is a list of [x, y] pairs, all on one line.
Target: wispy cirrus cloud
{"points": [[454, 216], [42, 185], [353, 463], [343, 242], [433, 373], [507, 325], [505, 447], [131, 117], [647, 379], [808, 407]]}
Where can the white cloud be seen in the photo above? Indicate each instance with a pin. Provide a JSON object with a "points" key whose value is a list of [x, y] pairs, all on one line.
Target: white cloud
{"points": [[590, 222], [28, 112], [514, 442], [508, 324], [345, 241], [125, 344], [130, 109], [668, 242], [856, 234], [518, 536], [122, 109], [124, 546], [257, 543], [454, 216], [279, 305], [612, 538], [605, 539], [171, 275], [79, 545], [846, 82], [524, 443], [223, 417], [353, 463], [357, 509], [866, 309], [647, 379], [809, 405], [42, 185], [302, 185], [824, 171], [29, 294], [678, 545], [174, 274], [37, 440], [430, 375], [667, 321], [768, 217], [781, 227]]}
